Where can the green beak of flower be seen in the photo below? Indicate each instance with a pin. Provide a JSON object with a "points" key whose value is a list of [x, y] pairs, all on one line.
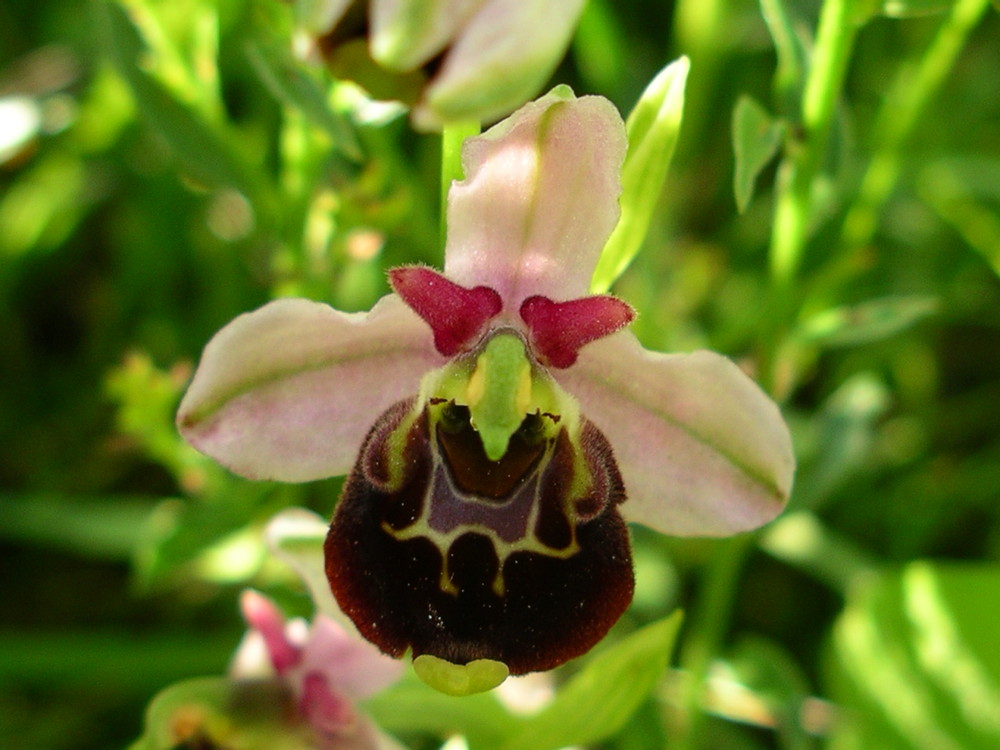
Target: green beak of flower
{"points": [[499, 390]]}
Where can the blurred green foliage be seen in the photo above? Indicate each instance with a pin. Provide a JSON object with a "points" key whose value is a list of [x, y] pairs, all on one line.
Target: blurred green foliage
{"points": [[831, 219]]}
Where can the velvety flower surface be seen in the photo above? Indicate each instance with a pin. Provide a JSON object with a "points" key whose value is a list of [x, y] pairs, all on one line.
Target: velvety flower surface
{"points": [[499, 425], [488, 56]]}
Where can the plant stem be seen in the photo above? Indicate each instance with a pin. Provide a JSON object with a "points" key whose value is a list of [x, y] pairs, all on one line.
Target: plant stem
{"points": [[803, 541], [712, 613], [797, 176], [834, 41], [900, 112], [706, 627], [452, 138]]}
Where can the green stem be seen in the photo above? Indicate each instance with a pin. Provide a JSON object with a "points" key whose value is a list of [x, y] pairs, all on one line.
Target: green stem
{"points": [[699, 30], [804, 542], [797, 176], [452, 138], [834, 41], [791, 63], [900, 112], [706, 627]]}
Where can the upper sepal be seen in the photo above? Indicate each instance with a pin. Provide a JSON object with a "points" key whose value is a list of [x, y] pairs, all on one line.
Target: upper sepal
{"points": [[539, 199]]}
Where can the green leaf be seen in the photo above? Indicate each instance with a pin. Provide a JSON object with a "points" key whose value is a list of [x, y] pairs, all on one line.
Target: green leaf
{"points": [[909, 8], [839, 443], [98, 527], [915, 658], [756, 139], [216, 712], [412, 706], [653, 128], [598, 701], [295, 88], [793, 57], [864, 323], [202, 151]]}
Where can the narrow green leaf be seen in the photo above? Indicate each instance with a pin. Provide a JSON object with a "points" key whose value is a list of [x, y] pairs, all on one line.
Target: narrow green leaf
{"points": [[202, 151], [909, 8], [756, 139], [653, 128], [412, 706], [600, 699], [864, 323], [294, 87], [99, 527]]}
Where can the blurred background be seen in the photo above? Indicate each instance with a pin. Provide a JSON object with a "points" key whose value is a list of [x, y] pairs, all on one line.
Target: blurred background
{"points": [[165, 166]]}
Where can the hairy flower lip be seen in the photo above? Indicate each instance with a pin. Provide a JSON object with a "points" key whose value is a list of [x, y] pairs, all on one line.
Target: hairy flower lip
{"points": [[464, 590]]}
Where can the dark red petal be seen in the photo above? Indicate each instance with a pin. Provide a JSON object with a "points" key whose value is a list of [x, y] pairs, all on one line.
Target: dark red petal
{"points": [[559, 329], [550, 607], [457, 315]]}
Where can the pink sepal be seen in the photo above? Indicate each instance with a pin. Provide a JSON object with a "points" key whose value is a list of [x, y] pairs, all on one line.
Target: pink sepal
{"points": [[702, 449]]}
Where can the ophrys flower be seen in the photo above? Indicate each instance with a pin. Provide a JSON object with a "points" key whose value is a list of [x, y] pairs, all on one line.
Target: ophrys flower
{"points": [[502, 424], [453, 60]]}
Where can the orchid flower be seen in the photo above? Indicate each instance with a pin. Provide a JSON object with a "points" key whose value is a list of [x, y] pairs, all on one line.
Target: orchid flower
{"points": [[291, 685], [494, 54], [502, 424], [325, 668]]}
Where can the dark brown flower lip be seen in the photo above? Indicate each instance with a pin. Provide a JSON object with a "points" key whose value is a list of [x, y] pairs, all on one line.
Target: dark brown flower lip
{"points": [[530, 598]]}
